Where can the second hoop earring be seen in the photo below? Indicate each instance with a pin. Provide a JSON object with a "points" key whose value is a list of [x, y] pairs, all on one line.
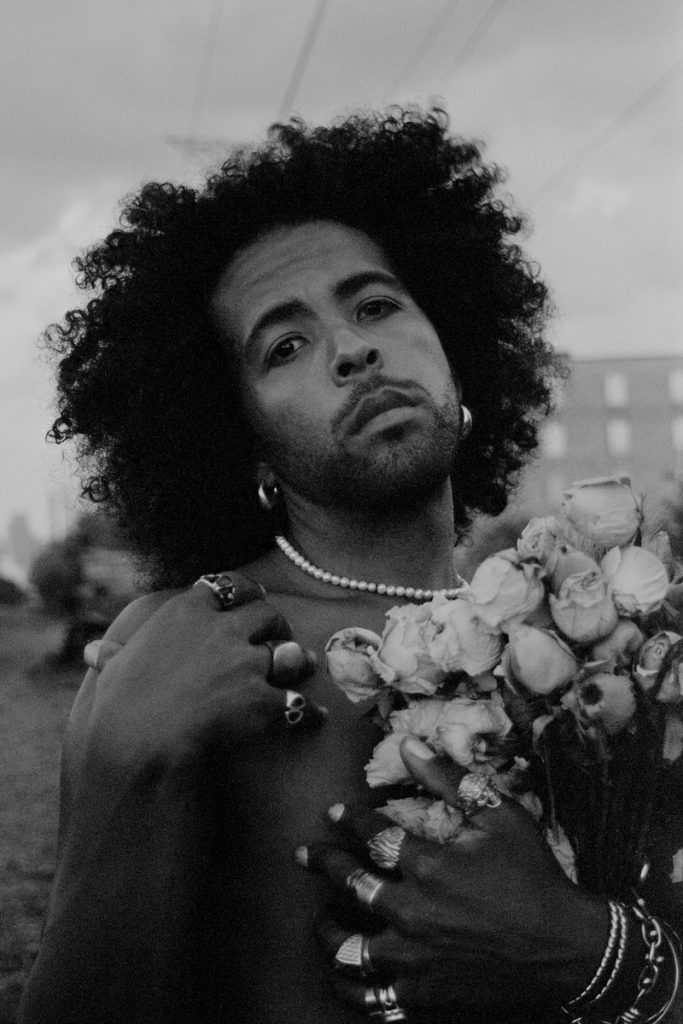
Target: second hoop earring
{"points": [[465, 422]]}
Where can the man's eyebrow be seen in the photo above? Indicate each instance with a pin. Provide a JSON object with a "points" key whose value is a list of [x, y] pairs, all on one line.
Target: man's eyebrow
{"points": [[275, 316], [356, 282]]}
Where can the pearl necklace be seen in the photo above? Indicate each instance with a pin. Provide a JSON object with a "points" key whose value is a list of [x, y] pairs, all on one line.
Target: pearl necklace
{"points": [[388, 589]]}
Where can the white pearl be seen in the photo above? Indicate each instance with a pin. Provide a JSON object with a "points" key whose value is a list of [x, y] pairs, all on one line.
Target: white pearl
{"points": [[419, 594], [381, 588], [391, 591], [400, 591], [335, 580], [344, 581], [353, 584], [318, 574], [372, 588], [361, 584], [327, 577]]}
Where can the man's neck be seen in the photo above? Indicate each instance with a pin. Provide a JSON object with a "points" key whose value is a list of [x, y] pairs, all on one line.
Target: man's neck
{"points": [[403, 546]]}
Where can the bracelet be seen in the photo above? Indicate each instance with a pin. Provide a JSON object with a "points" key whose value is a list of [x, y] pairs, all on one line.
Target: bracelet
{"points": [[649, 1006]]}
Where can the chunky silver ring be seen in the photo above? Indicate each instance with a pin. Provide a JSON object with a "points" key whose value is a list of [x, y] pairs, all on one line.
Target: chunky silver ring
{"points": [[354, 955], [365, 885], [385, 847], [381, 1004], [294, 707], [476, 791], [222, 585]]}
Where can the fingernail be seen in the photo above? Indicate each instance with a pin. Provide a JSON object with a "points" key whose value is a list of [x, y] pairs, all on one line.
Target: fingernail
{"points": [[418, 749], [301, 856], [335, 812]]}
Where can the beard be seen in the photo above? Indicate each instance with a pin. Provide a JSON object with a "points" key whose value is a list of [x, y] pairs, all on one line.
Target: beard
{"points": [[401, 468]]}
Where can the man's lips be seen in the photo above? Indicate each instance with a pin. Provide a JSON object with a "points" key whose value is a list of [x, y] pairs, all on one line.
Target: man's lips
{"points": [[378, 402]]}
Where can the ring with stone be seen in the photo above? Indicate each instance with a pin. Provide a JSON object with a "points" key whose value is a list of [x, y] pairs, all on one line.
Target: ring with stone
{"points": [[475, 792], [385, 847], [222, 586], [294, 707]]}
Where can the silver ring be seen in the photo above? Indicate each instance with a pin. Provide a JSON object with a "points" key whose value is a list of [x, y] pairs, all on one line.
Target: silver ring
{"points": [[381, 1003], [222, 585], [385, 847], [475, 792], [354, 955], [365, 885], [294, 707]]}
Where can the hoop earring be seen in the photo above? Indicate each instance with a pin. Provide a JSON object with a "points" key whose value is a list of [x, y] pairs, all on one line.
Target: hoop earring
{"points": [[268, 495], [465, 422]]}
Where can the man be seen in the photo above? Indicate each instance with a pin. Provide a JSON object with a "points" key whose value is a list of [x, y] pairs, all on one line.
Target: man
{"points": [[306, 329]]}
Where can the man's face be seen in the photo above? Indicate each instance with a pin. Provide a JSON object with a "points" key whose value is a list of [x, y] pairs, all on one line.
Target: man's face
{"points": [[345, 382]]}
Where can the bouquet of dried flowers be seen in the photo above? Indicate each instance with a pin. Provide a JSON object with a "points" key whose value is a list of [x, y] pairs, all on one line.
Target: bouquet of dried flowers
{"points": [[558, 670]]}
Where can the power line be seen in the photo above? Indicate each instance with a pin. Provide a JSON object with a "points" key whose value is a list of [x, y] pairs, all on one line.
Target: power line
{"points": [[611, 129], [476, 36], [428, 38], [302, 59], [205, 67]]}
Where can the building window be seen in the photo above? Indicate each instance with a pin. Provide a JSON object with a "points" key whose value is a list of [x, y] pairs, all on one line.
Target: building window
{"points": [[619, 437], [677, 433], [676, 386], [555, 440], [615, 388]]}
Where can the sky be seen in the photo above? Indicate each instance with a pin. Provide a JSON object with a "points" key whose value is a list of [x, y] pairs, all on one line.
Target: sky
{"points": [[580, 100]]}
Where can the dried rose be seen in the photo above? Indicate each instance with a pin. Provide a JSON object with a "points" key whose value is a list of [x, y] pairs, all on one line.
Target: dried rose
{"points": [[465, 725], [618, 649], [651, 655], [639, 580], [669, 681], [673, 741], [539, 659], [463, 643], [348, 662], [425, 817], [538, 541], [386, 766], [504, 589], [569, 561], [604, 510], [603, 699], [419, 718], [584, 609], [563, 851], [404, 660]]}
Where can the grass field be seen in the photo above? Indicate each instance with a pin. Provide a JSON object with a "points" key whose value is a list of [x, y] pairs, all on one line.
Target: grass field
{"points": [[35, 699]]}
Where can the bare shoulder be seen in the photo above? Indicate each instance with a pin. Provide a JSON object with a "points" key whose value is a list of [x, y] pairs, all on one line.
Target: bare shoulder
{"points": [[137, 613]]}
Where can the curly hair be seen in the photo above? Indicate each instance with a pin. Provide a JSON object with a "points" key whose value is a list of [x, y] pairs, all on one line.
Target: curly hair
{"points": [[151, 394]]}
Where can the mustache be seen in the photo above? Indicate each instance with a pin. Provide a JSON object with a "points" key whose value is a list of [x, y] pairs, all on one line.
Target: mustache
{"points": [[368, 386]]}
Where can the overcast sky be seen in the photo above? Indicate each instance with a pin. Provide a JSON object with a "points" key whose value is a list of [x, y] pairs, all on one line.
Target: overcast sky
{"points": [[580, 100]]}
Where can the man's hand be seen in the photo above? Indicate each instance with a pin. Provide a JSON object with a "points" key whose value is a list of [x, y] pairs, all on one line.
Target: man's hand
{"points": [[488, 919], [193, 674]]}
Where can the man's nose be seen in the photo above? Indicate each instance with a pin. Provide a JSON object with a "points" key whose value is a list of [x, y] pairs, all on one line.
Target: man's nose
{"points": [[352, 356]]}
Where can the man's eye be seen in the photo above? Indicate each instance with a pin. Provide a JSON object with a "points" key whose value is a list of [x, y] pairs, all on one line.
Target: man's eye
{"points": [[375, 309], [284, 350]]}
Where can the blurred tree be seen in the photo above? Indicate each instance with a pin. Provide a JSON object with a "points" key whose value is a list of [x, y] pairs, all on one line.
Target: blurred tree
{"points": [[10, 592]]}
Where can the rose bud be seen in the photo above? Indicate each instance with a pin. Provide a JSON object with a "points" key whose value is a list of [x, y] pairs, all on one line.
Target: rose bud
{"points": [[425, 817], [504, 589], [349, 664], [584, 609], [464, 642], [669, 682], [569, 561], [639, 580], [420, 718], [605, 700], [538, 541], [651, 656], [604, 510], [539, 659], [620, 647], [464, 723], [386, 766], [403, 660]]}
